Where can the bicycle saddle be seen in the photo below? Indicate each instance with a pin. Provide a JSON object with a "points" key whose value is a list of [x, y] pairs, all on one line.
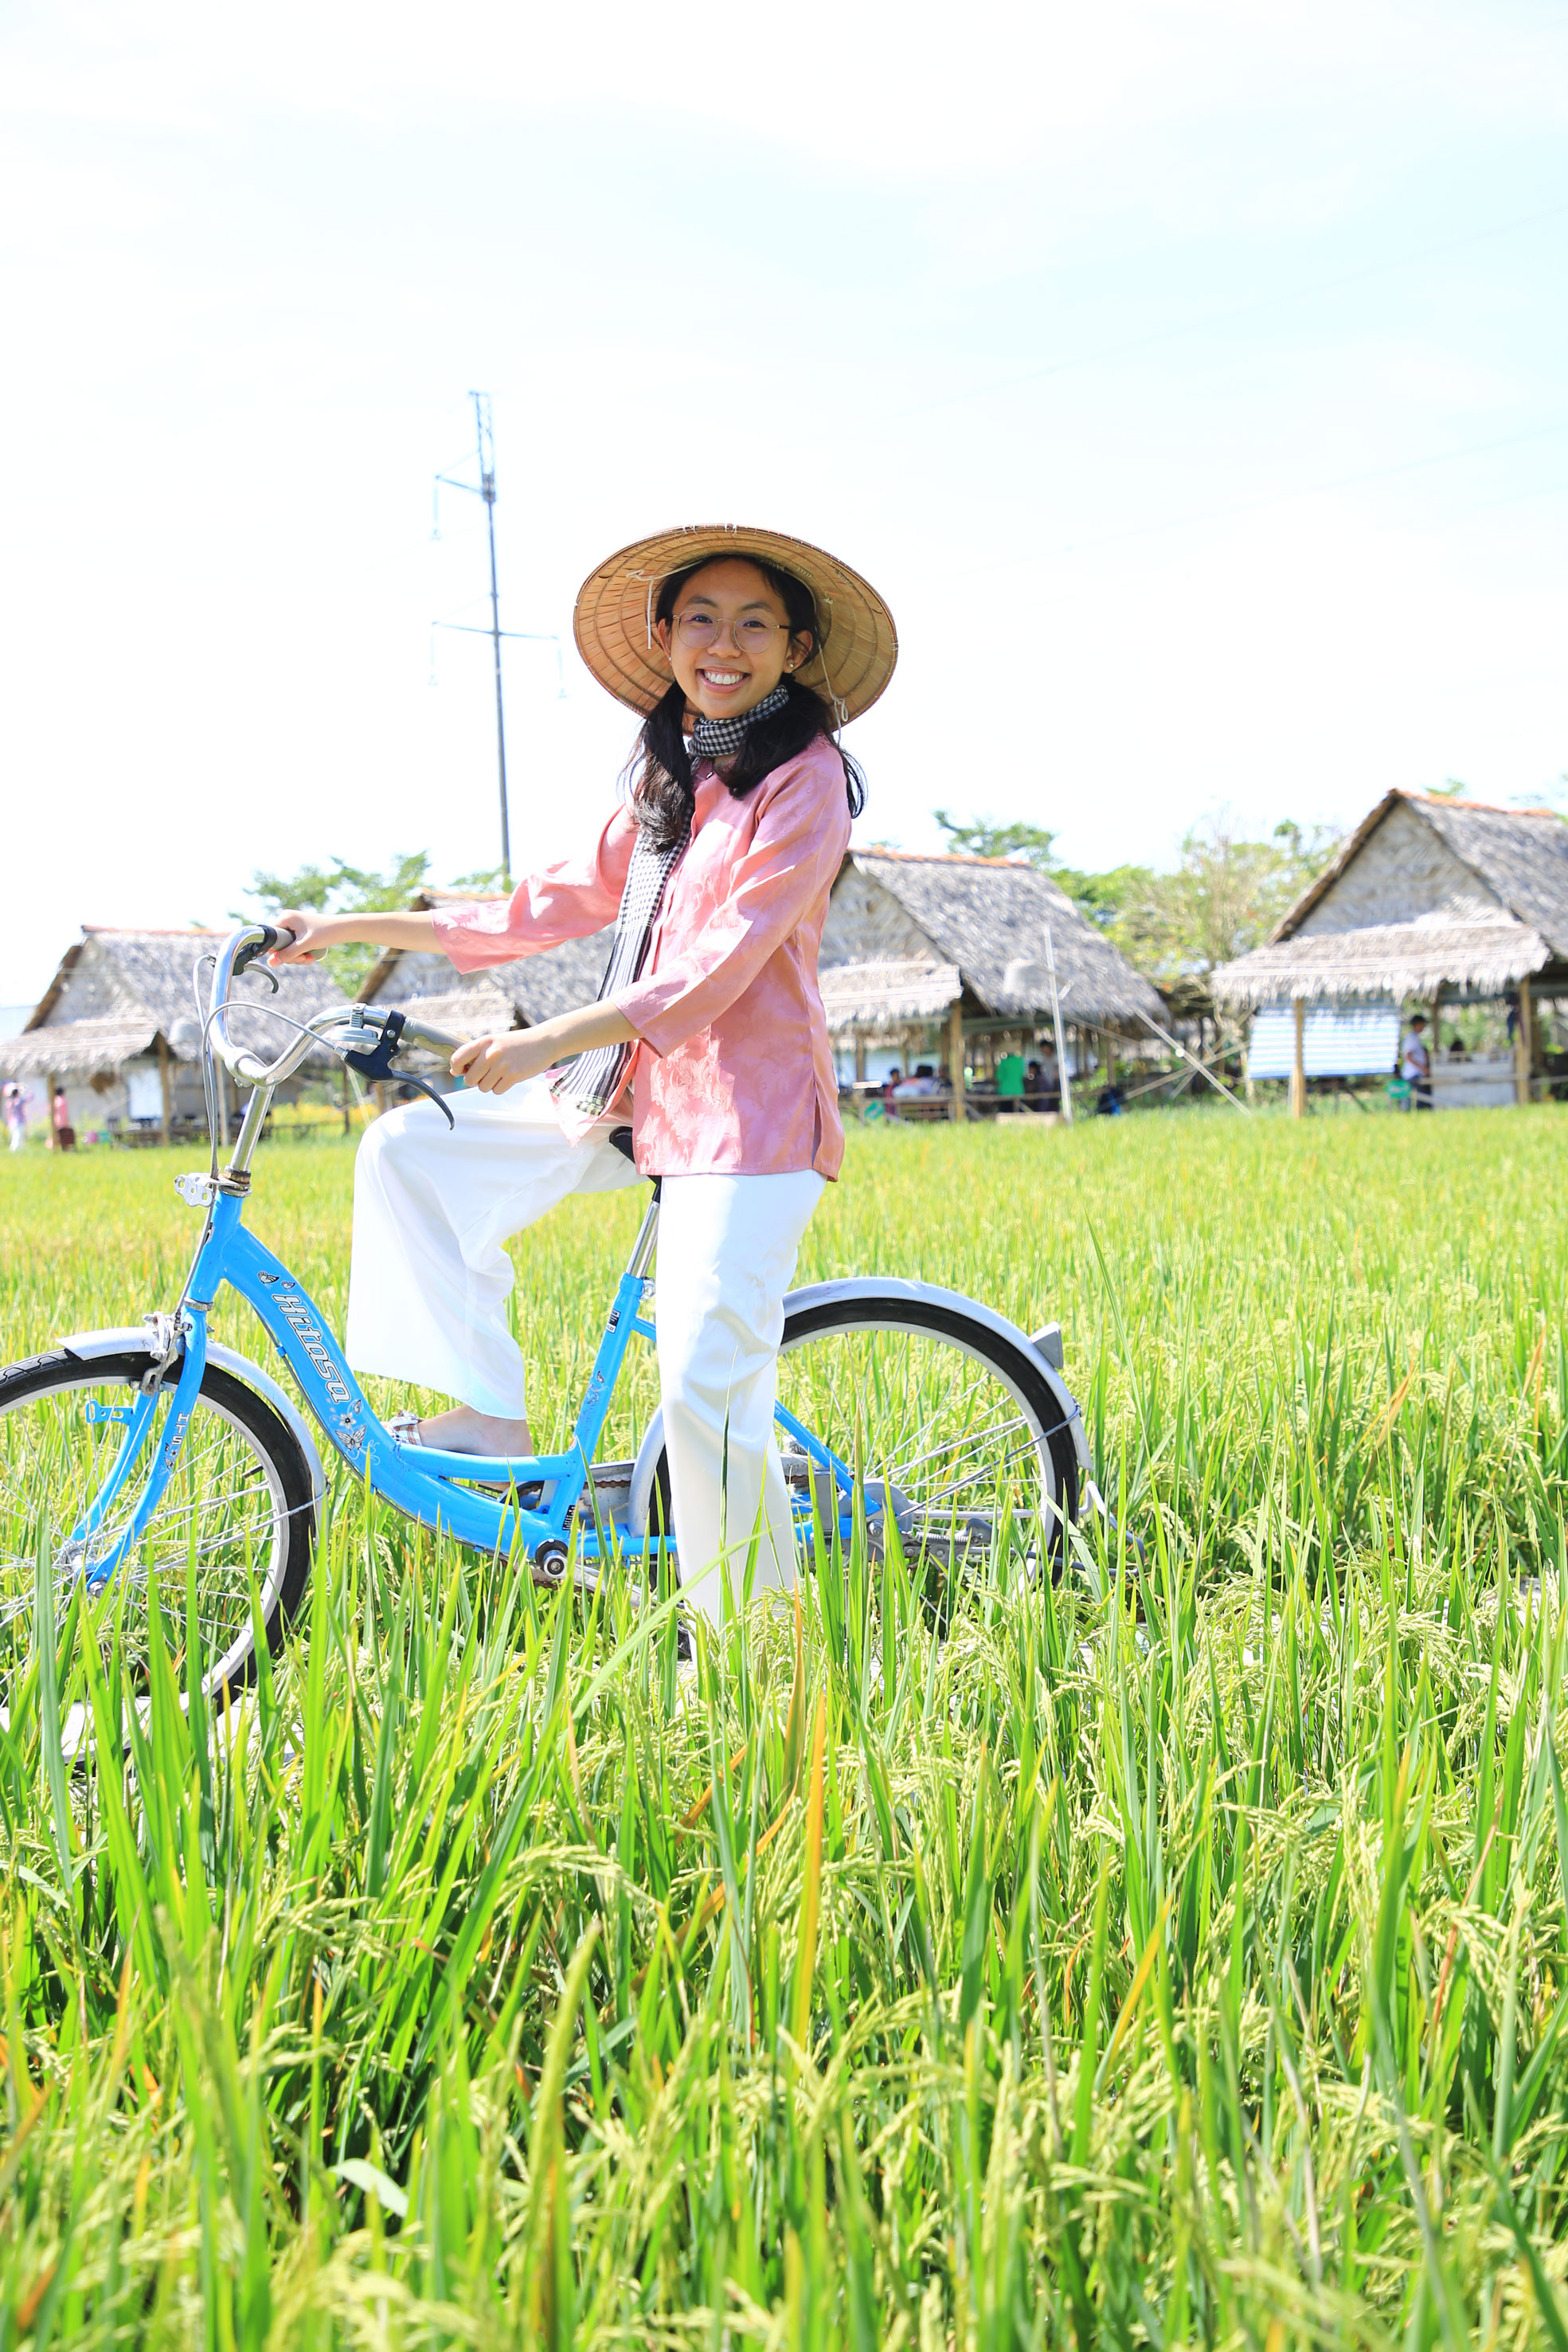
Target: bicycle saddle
{"points": [[620, 1137]]}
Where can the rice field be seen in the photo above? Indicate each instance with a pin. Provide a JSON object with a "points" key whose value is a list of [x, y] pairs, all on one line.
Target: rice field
{"points": [[1177, 1955]]}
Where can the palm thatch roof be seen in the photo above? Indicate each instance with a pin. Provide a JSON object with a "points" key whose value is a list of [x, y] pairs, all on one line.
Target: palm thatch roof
{"points": [[1429, 893], [880, 998], [75, 1049], [115, 992], [987, 918]]}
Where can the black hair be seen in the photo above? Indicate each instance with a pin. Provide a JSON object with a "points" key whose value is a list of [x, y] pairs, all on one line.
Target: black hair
{"points": [[660, 768]]}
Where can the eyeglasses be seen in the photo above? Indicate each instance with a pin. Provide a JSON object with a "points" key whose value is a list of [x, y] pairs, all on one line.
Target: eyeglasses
{"points": [[752, 633]]}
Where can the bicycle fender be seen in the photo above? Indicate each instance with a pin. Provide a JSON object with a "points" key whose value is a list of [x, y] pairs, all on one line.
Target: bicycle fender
{"points": [[642, 1469], [84, 1345], [929, 1294]]}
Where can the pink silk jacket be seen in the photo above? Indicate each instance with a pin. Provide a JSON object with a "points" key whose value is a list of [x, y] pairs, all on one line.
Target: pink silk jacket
{"points": [[732, 1074]]}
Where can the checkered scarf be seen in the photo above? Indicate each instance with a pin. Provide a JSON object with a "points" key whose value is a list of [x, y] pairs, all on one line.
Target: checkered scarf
{"points": [[590, 1081], [720, 738]]}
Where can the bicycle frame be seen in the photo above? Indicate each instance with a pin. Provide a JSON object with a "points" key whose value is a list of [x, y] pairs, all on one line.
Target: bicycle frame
{"points": [[425, 1483]]}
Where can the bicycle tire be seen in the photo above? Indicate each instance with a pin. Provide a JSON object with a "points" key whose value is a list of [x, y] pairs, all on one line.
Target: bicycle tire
{"points": [[230, 1421], [925, 1530]]}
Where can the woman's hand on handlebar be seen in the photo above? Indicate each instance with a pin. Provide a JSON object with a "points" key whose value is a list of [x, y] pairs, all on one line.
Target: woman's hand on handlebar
{"points": [[312, 933], [495, 1064]]}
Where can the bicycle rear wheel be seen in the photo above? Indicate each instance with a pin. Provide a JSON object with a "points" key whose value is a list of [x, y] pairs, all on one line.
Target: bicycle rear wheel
{"points": [[951, 1431], [239, 1506], [954, 1431]]}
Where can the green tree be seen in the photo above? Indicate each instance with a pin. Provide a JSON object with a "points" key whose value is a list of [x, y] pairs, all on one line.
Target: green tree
{"points": [[1101, 896], [344, 890], [982, 837], [1224, 897], [1104, 898]]}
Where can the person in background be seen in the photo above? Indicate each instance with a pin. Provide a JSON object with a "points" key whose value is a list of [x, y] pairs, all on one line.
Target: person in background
{"points": [[60, 1113], [1010, 1083], [1457, 1049], [1415, 1062], [16, 1101]]}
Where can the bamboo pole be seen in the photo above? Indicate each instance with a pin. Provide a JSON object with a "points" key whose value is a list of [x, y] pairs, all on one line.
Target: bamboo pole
{"points": [[1524, 1043], [1200, 1069], [165, 1090], [956, 1057], [1063, 1089], [1299, 1062]]}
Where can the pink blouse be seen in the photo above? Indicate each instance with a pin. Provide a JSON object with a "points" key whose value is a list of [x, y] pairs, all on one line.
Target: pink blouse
{"points": [[732, 1073]]}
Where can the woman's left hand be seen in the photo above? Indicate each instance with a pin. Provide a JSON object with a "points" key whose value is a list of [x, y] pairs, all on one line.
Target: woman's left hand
{"points": [[495, 1064]]}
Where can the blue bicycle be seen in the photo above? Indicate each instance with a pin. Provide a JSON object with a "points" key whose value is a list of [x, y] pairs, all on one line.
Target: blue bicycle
{"points": [[152, 1446]]}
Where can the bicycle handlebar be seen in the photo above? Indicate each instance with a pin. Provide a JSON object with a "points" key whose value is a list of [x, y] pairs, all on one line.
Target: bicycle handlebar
{"points": [[362, 1024]]}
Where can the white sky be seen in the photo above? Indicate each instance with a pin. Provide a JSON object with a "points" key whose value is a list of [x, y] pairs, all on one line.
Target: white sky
{"points": [[1192, 379]]}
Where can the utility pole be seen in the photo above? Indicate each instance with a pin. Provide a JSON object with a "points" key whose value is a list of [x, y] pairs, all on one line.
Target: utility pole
{"points": [[486, 490]]}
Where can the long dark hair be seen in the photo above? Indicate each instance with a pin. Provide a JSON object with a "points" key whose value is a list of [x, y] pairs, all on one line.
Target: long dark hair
{"points": [[660, 769]]}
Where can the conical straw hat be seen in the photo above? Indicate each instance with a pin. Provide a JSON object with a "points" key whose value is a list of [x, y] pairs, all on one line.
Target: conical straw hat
{"points": [[613, 621]]}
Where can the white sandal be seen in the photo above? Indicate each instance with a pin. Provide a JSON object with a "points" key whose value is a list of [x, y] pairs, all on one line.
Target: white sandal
{"points": [[406, 1429]]}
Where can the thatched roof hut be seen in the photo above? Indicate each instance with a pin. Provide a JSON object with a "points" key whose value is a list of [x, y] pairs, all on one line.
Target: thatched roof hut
{"points": [[1426, 894], [908, 936], [1429, 896], [118, 1027]]}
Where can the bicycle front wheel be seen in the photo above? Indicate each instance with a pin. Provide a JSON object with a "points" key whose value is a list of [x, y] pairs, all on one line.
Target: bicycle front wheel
{"points": [[953, 1431], [239, 1508]]}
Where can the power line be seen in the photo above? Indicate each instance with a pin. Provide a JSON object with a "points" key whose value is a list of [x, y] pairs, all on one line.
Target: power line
{"points": [[1223, 318], [1273, 498]]}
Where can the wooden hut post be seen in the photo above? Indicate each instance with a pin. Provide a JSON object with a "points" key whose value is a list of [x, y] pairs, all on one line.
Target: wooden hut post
{"points": [[1299, 1062], [956, 1056], [860, 1058], [1524, 1043], [166, 1091]]}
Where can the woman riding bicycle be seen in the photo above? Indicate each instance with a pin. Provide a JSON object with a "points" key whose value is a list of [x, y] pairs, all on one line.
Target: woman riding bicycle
{"points": [[745, 650]]}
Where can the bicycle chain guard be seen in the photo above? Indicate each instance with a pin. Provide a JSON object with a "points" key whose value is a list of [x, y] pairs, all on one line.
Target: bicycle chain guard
{"points": [[378, 1063]]}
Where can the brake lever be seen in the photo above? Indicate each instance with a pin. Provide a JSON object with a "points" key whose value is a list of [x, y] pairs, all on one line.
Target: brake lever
{"points": [[378, 1063]]}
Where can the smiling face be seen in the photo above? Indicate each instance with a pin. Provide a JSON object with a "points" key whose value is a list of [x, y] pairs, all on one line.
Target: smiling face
{"points": [[729, 641]]}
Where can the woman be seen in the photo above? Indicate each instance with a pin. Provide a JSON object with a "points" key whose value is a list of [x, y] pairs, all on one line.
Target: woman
{"points": [[708, 1032]]}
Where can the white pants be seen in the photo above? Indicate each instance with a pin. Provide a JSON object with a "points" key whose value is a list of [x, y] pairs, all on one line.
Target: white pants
{"points": [[430, 1280]]}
